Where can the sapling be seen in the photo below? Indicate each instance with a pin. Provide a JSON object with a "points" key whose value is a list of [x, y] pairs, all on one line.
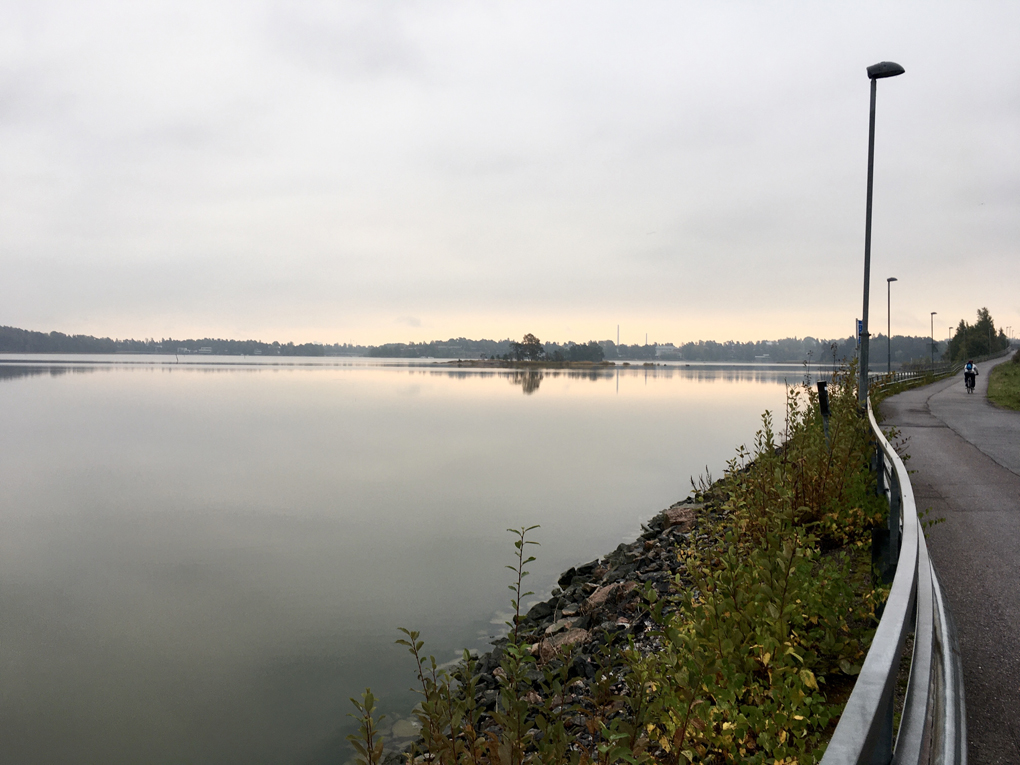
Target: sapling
{"points": [[366, 742], [513, 710]]}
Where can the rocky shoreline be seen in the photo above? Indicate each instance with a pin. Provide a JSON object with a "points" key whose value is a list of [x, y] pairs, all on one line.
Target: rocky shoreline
{"points": [[596, 606]]}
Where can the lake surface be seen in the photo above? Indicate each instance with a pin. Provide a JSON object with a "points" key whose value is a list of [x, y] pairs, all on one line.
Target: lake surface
{"points": [[201, 562]]}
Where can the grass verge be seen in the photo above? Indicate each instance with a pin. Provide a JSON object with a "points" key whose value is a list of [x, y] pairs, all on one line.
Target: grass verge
{"points": [[1004, 384]]}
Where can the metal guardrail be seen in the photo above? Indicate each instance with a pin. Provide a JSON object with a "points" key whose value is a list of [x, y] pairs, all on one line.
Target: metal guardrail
{"points": [[939, 370], [944, 369], [932, 724]]}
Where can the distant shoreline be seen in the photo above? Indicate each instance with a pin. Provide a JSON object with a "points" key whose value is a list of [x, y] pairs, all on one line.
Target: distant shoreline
{"points": [[126, 358], [784, 351]]}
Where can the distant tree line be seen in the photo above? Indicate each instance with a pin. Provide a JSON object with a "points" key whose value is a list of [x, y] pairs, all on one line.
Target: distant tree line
{"points": [[590, 351], [14, 340], [791, 349], [970, 340], [904, 350], [454, 348]]}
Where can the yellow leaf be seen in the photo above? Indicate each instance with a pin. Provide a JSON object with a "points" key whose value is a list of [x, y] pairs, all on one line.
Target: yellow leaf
{"points": [[808, 678]]}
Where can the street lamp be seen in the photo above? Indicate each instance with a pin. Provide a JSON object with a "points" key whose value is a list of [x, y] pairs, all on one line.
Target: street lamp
{"points": [[933, 339], [876, 72], [888, 320]]}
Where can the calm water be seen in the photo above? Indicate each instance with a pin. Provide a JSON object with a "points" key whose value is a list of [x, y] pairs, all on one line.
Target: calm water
{"points": [[201, 563]]}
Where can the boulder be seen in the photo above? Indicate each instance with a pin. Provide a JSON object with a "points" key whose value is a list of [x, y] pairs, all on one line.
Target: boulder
{"points": [[539, 611], [581, 667], [681, 517], [559, 626], [601, 596], [549, 647]]}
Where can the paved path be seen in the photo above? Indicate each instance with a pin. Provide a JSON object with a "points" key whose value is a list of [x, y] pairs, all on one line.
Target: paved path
{"points": [[966, 454]]}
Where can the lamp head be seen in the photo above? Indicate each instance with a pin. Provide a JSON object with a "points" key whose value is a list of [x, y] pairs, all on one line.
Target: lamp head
{"points": [[892, 279], [884, 69]]}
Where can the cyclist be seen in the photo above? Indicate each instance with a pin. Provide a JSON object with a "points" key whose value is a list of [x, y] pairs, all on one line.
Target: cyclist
{"points": [[970, 372]]}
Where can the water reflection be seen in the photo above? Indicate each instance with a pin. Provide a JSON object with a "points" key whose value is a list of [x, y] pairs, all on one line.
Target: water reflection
{"points": [[9, 372], [38, 364], [529, 379]]}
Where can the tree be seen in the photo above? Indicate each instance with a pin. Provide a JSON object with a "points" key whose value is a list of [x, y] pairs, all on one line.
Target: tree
{"points": [[978, 339], [529, 348], [591, 351]]}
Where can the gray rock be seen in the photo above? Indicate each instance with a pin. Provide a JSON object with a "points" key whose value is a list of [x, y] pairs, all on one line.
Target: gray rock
{"points": [[540, 611], [582, 667]]}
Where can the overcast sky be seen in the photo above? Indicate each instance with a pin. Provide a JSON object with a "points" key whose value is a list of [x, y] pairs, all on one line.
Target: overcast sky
{"points": [[393, 171]]}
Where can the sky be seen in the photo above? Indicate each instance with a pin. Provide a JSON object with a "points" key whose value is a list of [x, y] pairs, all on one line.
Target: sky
{"points": [[374, 171]]}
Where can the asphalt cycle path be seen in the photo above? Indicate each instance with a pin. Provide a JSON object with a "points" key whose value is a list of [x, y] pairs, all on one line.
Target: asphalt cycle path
{"points": [[965, 463]]}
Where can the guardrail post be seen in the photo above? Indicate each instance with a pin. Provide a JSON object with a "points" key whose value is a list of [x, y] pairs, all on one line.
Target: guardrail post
{"points": [[895, 511], [823, 407], [880, 485], [885, 543], [882, 754]]}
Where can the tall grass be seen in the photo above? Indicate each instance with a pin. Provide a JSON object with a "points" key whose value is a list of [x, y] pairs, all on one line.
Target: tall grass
{"points": [[1004, 384]]}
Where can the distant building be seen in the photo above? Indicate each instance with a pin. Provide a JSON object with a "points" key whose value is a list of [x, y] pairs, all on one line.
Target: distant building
{"points": [[205, 349], [667, 351]]}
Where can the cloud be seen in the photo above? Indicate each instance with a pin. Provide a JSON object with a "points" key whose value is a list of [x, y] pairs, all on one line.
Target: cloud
{"points": [[357, 39], [319, 168]]}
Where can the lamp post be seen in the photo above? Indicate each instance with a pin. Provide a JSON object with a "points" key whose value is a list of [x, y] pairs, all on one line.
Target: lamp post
{"points": [[933, 339], [875, 72], [888, 322]]}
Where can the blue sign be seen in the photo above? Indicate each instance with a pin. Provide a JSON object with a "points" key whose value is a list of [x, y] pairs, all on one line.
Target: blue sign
{"points": [[860, 328]]}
